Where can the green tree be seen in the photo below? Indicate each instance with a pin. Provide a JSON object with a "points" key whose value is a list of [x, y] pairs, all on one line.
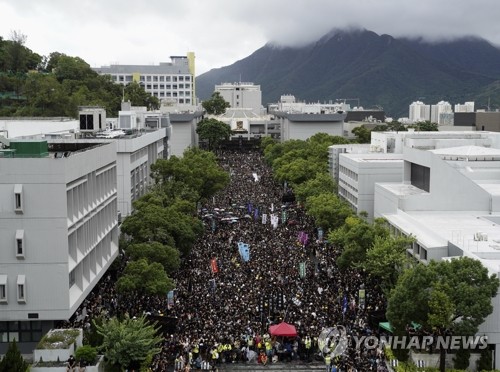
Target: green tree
{"points": [[446, 297], [216, 105], [328, 210], [141, 277], [425, 126], [297, 171], [213, 131], [356, 236], [485, 362], [128, 343], [386, 259], [13, 361], [363, 135], [321, 184], [167, 256], [135, 93], [157, 218], [87, 353], [197, 171]]}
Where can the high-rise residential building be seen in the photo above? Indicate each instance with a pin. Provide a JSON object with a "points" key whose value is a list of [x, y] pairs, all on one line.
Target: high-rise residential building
{"points": [[171, 81], [419, 111], [440, 113], [466, 107]]}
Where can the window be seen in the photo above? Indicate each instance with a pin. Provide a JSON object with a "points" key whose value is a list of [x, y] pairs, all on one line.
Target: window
{"points": [[27, 331], [21, 288], [20, 243], [181, 78], [3, 288], [420, 176], [72, 278], [423, 253], [148, 78], [18, 196]]}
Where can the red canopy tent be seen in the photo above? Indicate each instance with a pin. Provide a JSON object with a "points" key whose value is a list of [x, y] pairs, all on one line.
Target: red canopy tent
{"points": [[283, 329]]}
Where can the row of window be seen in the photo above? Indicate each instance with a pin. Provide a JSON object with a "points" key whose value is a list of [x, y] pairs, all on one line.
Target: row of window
{"points": [[27, 331], [348, 196], [349, 173], [168, 95], [153, 78], [344, 183], [88, 268], [21, 288], [84, 193], [418, 250], [83, 239], [169, 86]]}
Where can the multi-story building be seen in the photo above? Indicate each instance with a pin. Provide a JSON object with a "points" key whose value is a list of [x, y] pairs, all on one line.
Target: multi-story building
{"points": [[466, 107], [173, 81], [242, 95], [419, 111], [442, 113], [358, 174], [58, 212]]}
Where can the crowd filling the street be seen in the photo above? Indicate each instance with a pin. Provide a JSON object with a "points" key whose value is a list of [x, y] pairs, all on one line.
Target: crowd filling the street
{"points": [[260, 262]]}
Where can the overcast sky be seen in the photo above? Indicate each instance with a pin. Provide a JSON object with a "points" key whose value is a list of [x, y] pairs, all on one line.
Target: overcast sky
{"points": [[220, 32]]}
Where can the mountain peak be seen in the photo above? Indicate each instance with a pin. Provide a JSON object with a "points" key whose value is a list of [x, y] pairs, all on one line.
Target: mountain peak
{"points": [[377, 69]]}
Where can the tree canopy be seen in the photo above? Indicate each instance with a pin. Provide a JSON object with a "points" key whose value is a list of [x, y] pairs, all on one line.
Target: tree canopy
{"points": [[128, 343], [34, 85], [13, 361], [142, 277], [445, 297], [213, 131], [216, 105]]}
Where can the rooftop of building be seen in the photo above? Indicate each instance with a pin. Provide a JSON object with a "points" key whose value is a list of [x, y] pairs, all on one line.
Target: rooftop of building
{"points": [[374, 157], [172, 68], [475, 232]]}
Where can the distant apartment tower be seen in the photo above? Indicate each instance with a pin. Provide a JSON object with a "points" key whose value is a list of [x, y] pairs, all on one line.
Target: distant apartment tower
{"points": [[419, 111], [442, 113], [174, 81], [466, 107], [241, 95]]}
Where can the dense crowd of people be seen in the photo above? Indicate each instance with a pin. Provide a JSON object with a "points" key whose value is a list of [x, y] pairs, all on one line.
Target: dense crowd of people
{"points": [[225, 302]]}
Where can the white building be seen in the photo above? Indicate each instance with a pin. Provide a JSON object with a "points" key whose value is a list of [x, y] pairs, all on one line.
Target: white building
{"points": [[358, 174], [242, 95], [419, 112], [20, 127], [466, 107], [135, 155], [449, 199], [288, 103], [357, 168], [173, 80], [442, 113], [58, 212]]}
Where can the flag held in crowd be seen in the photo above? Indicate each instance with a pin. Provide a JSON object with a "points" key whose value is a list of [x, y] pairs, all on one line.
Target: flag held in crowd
{"points": [[302, 270], [344, 305], [213, 266], [244, 250]]}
